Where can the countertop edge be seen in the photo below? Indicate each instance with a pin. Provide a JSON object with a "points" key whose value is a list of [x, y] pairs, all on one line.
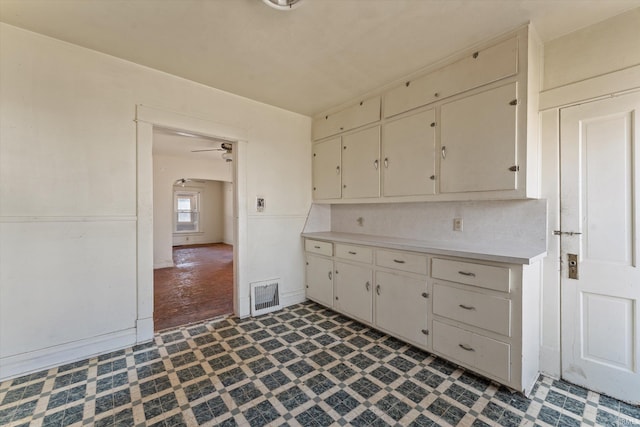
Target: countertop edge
{"points": [[426, 247]]}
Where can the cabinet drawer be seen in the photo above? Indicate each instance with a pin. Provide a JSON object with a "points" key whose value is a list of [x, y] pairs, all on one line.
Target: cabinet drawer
{"points": [[354, 253], [483, 67], [484, 311], [365, 112], [318, 247], [403, 261], [476, 351], [484, 276]]}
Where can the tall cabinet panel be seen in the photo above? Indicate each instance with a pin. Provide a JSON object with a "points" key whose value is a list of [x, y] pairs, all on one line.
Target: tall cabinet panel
{"points": [[479, 141], [327, 174], [361, 164], [319, 277], [408, 153], [354, 290]]}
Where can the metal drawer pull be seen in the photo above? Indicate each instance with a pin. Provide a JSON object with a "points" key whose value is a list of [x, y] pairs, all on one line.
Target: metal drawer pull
{"points": [[367, 285], [464, 347], [330, 276], [399, 261], [375, 164], [386, 162], [378, 289], [352, 252], [337, 170], [466, 307], [466, 273], [444, 152], [317, 247]]}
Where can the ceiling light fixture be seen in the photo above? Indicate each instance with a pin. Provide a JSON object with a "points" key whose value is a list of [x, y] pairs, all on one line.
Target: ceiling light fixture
{"points": [[283, 4]]}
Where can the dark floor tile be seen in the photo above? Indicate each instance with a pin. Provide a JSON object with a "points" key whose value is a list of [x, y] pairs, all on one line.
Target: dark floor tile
{"points": [[384, 375], [191, 373], [146, 356], [221, 362], [342, 402], [306, 347], [292, 398], [159, 405], [64, 417], [393, 407], [319, 384], [200, 389], [260, 365], [113, 381], [69, 379], [112, 401], [422, 421], [209, 409], [245, 393], [261, 414], [120, 419], [67, 396], [314, 416], [284, 356], [22, 393], [154, 386], [275, 380], [364, 387], [412, 391], [342, 372]]}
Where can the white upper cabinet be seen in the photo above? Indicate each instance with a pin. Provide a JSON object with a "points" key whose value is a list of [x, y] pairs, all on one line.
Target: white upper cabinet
{"points": [[464, 130], [361, 164], [474, 70], [479, 141], [360, 114], [326, 166], [408, 155]]}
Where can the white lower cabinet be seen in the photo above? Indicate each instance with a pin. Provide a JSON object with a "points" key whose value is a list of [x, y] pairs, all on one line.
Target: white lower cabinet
{"points": [[319, 276], [481, 315], [402, 306], [354, 290]]}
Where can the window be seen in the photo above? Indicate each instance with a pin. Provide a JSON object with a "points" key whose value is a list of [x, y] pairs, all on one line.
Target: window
{"points": [[187, 204]]}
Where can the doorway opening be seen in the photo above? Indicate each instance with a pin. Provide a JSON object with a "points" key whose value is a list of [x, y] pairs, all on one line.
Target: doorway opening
{"points": [[193, 228]]}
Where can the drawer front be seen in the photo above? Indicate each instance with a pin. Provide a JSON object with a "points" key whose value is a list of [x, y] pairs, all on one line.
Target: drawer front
{"points": [[365, 112], [354, 253], [486, 66], [484, 276], [318, 247], [404, 261], [474, 350], [476, 309]]}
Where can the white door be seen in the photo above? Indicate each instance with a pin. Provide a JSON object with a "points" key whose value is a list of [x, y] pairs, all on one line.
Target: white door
{"points": [[361, 164], [408, 153], [600, 186], [319, 273], [326, 170], [478, 139]]}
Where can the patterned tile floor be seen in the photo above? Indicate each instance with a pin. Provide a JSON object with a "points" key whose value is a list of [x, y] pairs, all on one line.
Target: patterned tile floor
{"points": [[304, 365]]}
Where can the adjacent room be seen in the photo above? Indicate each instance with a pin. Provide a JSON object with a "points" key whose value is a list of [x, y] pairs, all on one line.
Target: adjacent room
{"points": [[319, 212]]}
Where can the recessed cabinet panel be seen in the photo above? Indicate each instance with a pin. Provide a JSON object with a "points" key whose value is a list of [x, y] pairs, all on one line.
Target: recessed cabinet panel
{"points": [[400, 260], [360, 114], [361, 164], [319, 277], [401, 306], [354, 253], [327, 174], [408, 155], [476, 69], [354, 290], [473, 308], [469, 273], [479, 141], [318, 247]]}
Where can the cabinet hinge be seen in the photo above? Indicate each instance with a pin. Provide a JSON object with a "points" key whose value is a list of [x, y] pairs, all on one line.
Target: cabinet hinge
{"points": [[425, 295], [425, 331], [514, 168], [314, 154], [432, 177], [514, 102], [433, 124]]}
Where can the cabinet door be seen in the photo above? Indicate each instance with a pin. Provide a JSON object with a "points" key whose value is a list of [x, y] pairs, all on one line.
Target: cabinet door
{"points": [[401, 306], [319, 275], [326, 170], [408, 153], [354, 290], [478, 138], [361, 164]]}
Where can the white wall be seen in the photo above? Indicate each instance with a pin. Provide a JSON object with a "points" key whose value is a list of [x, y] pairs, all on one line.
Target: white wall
{"points": [[583, 62], [68, 194], [166, 170]]}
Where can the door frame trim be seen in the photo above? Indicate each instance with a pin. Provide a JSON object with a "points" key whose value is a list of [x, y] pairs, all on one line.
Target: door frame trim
{"points": [[146, 118]]}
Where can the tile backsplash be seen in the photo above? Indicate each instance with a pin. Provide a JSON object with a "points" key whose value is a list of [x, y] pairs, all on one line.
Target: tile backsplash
{"points": [[515, 221]]}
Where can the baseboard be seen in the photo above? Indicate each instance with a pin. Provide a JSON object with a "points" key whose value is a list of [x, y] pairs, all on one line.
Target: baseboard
{"points": [[34, 361], [292, 298], [164, 264], [144, 330]]}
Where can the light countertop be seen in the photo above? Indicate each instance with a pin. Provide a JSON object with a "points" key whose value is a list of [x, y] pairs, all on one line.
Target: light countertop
{"points": [[481, 250]]}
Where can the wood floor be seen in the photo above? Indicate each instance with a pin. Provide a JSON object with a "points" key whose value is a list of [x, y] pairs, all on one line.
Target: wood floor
{"points": [[199, 287]]}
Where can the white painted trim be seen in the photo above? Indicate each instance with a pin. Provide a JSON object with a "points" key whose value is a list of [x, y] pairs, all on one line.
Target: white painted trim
{"points": [[292, 298], [591, 89], [26, 363], [16, 219], [146, 118], [166, 264]]}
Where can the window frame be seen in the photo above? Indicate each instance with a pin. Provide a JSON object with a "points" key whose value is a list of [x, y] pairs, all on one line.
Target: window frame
{"points": [[195, 197]]}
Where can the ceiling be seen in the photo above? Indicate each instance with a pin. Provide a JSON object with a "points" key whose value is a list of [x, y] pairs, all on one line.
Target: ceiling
{"points": [[171, 143], [316, 56]]}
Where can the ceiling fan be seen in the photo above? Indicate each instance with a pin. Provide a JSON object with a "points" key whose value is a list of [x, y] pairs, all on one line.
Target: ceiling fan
{"points": [[225, 146]]}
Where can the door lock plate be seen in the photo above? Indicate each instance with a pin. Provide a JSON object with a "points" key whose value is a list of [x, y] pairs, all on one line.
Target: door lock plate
{"points": [[573, 266]]}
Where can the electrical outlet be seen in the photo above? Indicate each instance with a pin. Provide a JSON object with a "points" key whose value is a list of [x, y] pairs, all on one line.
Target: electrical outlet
{"points": [[260, 204], [457, 224]]}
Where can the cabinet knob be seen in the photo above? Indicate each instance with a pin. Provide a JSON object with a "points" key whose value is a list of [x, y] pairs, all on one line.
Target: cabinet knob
{"points": [[314, 189], [378, 289], [436, 95], [338, 170], [330, 276], [425, 295], [336, 298], [425, 332], [386, 162], [344, 186], [443, 150], [433, 124], [475, 55], [376, 163], [515, 168], [367, 286], [407, 84], [432, 177]]}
